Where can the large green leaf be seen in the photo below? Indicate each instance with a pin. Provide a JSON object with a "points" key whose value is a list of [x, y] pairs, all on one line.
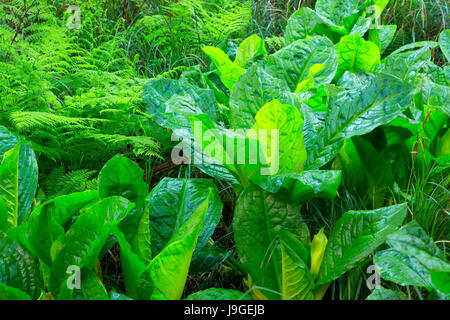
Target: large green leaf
{"points": [[355, 235], [240, 153], [219, 294], [9, 186], [228, 71], [18, 269], [436, 95], [141, 241], [402, 269], [377, 171], [43, 231], [7, 141], [255, 88], [412, 240], [83, 242], [91, 288], [304, 186], [259, 217], [208, 258], [444, 43], [408, 64], [296, 279], [359, 111], [282, 125], [132, 265], [414, 260], [68, 205], [168, 270], [441, 282], [303, 23], [356, 54], [28, 172], [173, 201], [293, 62], [337, 10], [249, 48], [122, 177], [386, 294], [162, 97], [28, 180], [386, 34]]}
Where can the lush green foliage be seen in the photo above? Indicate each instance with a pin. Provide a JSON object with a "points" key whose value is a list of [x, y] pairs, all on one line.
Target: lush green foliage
{"points": [[324, 154]]}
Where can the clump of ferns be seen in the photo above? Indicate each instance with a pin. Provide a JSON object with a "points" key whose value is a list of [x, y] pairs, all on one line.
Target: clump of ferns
{"points": [[60, 181]]}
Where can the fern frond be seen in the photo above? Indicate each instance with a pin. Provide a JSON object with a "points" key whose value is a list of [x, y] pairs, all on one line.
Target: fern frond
{"points": [[26, 121]]}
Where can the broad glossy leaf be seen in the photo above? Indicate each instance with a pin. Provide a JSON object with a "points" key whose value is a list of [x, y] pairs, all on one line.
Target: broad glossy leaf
{"points": [[68, 205], [141, 242], [229, 71], [412, 240], [285, 147], [376, 170], [43, 231], [192, 152], [132, 265], [208, 258], [9, 186], [441, 281], [10, 293], [7, 141], [351, 80], [356, 54], [160, 94], [18, 269], [91, 288], [304, 186], [407, 65], [50, 220], [402, 269], [416, 45], [362, 25], [237, 150], [219, 294], [27, 176], [355, 235], [444, 43], [83, 242], [436, 95], [259, 216], [318, 245], [4, 225], [359, 111], [337, 10], [443, 146], [122, 177], [169, 269], [118, 296], [386, 294], [296, 279], [386, 34], [255, 88], [249, 48], [293, 62], [173, 201], [28, 180], [303, 23]]}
